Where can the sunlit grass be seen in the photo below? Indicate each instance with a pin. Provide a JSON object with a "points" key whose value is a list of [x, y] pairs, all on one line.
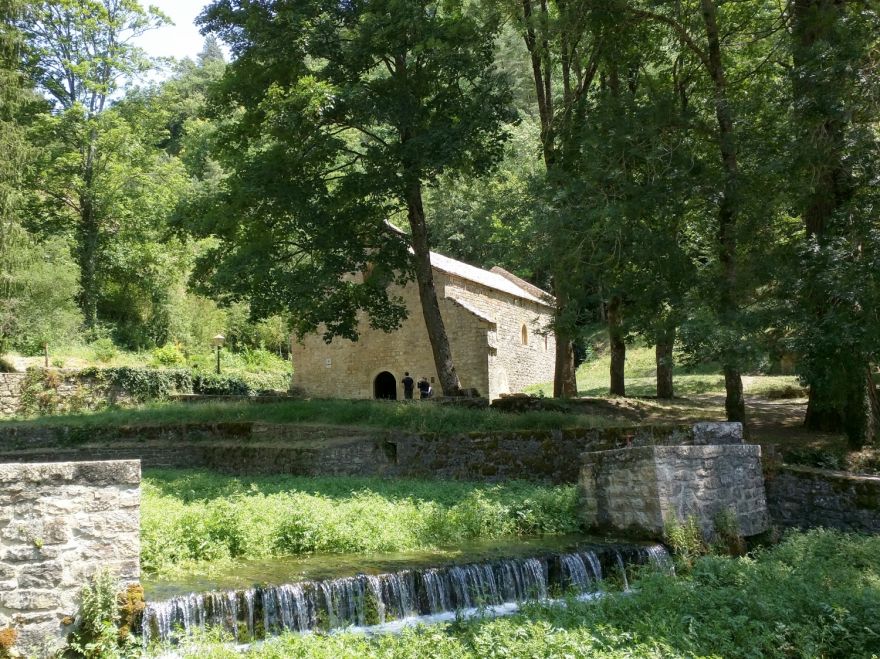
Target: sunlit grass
{"points": [[198, 516], [415, 416]]}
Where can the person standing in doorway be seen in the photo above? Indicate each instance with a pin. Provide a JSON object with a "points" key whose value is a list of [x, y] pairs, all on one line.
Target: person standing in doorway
{"points": [[408, 386]]}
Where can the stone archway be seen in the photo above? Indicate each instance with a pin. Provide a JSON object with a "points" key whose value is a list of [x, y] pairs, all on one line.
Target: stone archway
{"points": [[385, 386]]}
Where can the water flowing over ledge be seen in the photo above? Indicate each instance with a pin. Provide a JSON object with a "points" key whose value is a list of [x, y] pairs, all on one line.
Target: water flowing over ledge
{"points": [[384, 602]]}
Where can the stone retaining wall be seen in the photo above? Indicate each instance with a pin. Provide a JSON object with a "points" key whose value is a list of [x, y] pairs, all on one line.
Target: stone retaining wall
{"points": [[59, 524], [10, 393], [805, 497], [255, 448]]}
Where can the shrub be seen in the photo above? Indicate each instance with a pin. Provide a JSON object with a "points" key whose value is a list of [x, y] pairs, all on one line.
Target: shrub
{"points": [[685, 539], [96, 635], [142, 384], [168, 355], [220, 385], [6, 365], [104, 350], [728, 534]]}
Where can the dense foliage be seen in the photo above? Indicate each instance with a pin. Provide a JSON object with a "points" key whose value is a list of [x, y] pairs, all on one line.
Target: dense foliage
{"points": [[699, 175], [815, 595], [193, 516]]}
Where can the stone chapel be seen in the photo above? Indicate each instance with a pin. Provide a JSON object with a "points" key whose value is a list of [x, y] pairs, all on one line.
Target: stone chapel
{"points": [[497, 325]]}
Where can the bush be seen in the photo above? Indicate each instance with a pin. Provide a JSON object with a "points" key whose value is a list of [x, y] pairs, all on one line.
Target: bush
{"points": [[104, 350], [6, 365], [142, 384], [168, 355], [96, 635], [220, 385]]}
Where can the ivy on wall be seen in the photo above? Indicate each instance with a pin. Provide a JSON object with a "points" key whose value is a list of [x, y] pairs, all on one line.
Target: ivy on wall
{"points": [[48, 391]]}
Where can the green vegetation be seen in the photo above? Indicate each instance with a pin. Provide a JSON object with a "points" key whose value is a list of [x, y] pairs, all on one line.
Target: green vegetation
{"points": [[641, 377], [190, 516], [815, 595], [415, 416]]}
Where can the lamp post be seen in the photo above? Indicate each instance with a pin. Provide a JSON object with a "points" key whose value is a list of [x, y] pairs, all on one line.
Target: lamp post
{"points": [[217, 342]]}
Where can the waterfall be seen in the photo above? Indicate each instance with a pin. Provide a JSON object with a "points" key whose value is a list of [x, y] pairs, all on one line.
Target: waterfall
{"points": [[369, 600]]}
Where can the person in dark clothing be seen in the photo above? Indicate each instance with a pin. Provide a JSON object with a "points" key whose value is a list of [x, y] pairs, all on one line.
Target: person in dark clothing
{"points": [[408, 386], [424, 388]]}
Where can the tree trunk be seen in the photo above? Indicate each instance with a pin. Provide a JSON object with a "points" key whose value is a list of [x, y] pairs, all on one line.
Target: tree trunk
{"points": [[449, 381], [564, 375], [87, 240], [618, 347], [842, 398], [846, 402], [734, 402], [665, 342], [727, 211]]}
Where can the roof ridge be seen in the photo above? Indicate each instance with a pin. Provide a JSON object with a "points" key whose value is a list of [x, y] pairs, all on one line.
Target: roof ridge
{"points": [[522, 283]]}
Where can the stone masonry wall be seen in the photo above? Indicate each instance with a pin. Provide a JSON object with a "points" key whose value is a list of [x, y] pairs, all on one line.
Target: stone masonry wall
{"points": [[10, 393], [254, 448], [60, 390], [638, 490], [805, 497], [513, 365], [59, 524], [485, 334], [346, 369]]}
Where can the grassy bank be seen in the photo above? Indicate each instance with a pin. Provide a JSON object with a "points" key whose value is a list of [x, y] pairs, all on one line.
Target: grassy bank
{"points": [[641, 376], [194, 516], [815, 595], [415, 416]]}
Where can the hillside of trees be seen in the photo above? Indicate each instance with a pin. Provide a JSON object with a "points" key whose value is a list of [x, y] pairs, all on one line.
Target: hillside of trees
{"points": [[702, 176]]}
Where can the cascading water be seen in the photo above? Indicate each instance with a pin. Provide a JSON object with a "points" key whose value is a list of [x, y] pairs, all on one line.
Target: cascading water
{"points": [[366, 600]]}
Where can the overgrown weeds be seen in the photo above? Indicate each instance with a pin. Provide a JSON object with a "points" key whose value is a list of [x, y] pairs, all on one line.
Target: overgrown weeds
{"points": [[192, 516]]}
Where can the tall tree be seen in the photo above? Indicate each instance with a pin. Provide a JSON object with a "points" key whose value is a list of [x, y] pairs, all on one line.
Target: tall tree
{"points": [[393, 93], [834, 51], [563, 63], [79, 52]]}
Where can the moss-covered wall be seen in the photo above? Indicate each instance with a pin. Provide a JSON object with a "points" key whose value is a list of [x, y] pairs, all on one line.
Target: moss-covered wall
{"points": [[257, 448], [806, 497]]}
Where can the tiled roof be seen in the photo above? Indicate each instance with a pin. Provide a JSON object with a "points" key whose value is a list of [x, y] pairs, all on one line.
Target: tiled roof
{"points": [[472, 309], [485, 278]]}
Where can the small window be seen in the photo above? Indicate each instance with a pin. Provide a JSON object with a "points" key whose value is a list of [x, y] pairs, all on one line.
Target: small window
{"points": [[546, 343], [524, 333]]}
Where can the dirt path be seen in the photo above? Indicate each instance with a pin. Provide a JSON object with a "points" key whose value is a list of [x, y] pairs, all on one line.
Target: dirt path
{"points": [[778, 422]]}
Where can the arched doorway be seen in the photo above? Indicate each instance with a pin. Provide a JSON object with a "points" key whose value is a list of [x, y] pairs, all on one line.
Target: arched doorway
{"points": [[385, 386]]}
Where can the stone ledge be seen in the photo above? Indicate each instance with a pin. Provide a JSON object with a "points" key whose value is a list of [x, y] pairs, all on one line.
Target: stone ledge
{"points": [[109, 472]]}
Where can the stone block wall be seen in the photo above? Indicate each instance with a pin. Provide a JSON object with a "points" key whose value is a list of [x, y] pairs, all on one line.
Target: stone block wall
{"points": [[59, 390], [514, 364], [637, 490], [10, 393], [347, 369], [257, 448], [805, 497], [59, 524]]}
